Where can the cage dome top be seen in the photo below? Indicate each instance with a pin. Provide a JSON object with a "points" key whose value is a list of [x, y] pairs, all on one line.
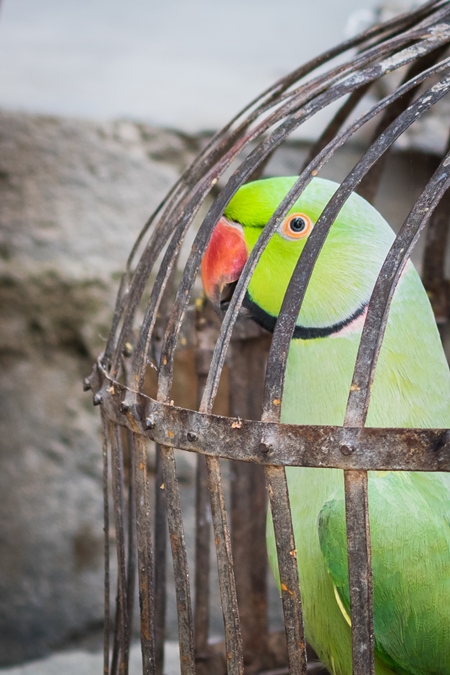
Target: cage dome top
{"points": [[406, 60], [375, 88]]}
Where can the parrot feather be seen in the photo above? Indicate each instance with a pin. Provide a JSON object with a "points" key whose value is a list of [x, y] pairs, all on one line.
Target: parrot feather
{"points": [[409, 512]]}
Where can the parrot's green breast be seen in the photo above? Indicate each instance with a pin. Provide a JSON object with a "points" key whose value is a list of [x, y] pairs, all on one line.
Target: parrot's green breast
{"points": [[409, 513]]}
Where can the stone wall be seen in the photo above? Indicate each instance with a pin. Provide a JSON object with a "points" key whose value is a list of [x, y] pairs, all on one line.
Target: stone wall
{"points": [[73, 196]]}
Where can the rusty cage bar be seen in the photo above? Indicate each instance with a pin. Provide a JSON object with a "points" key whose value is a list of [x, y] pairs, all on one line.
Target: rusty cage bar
{"points": [[155, 318]]}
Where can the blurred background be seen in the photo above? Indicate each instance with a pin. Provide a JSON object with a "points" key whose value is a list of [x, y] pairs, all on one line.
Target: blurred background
{"points": [[189, 65]]}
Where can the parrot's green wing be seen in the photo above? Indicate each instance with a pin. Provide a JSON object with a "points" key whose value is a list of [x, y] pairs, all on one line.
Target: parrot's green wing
{"points": [[410, 537]]}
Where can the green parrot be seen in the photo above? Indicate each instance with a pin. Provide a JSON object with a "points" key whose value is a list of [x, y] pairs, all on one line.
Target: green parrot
{"points": [[409, 512]]}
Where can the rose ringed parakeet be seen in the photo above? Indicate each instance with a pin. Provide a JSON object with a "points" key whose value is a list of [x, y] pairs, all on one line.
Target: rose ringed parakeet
{"points": [[409, 512]]}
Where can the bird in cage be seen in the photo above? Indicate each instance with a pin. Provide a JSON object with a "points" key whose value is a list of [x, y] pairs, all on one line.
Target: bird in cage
{"points": [[409, 512]]}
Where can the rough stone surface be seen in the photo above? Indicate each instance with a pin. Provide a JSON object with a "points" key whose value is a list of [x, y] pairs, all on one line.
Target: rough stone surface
{"points": [[73, 196]]}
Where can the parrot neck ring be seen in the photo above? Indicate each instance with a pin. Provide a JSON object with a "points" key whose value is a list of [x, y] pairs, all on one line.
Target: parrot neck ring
{"points": [[268, 321]]}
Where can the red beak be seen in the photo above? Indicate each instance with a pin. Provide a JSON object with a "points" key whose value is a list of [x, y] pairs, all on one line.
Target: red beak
{"points": [[223, 261]]}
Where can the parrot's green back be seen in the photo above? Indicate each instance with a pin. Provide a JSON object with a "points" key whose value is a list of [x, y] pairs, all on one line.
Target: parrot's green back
{"points": [[409, 512]]}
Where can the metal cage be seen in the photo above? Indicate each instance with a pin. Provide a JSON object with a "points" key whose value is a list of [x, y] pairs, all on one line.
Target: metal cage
{"points": [[156, 316]]}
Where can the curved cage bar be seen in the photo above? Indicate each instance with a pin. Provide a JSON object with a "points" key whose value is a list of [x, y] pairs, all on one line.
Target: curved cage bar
{"points": [[375, 88]]}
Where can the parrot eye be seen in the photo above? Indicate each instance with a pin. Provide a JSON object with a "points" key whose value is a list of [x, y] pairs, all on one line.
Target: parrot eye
{"points": [[296, 226]]}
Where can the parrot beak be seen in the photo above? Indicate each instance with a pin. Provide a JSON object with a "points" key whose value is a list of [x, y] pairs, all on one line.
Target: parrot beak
{"points": [[223, 261]]}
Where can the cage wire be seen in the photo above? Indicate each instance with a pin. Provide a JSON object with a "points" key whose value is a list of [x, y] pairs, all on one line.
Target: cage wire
{"points": [[158, 313]]}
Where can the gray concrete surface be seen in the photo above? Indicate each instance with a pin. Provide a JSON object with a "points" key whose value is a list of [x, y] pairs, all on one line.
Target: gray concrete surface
{"points": [[184, 64], [85, 663]]}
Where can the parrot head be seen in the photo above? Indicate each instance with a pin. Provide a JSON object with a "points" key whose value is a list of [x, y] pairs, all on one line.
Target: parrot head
{"points": [[344, 274]]}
